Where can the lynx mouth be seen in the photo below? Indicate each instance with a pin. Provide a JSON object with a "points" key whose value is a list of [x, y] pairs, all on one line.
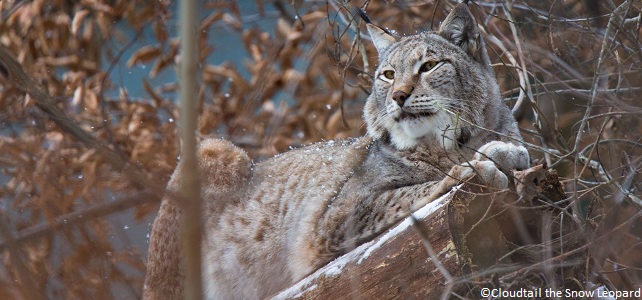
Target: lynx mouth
{"points": [[412, 116]]}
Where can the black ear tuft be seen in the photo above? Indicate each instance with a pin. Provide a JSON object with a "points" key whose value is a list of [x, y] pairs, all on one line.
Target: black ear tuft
{"points": [[381, 37], [363, 16]]}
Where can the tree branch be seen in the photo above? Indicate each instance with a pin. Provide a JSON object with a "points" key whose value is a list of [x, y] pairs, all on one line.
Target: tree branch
{"points": [[13, 71], [71, 219]]}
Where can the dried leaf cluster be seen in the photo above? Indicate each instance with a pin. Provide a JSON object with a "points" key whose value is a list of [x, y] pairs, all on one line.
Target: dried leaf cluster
{"points": [[569, 69]]}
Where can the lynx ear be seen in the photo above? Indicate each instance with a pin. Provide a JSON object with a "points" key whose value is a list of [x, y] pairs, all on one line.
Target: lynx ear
{"points": [[381, 38], [461, 29]]}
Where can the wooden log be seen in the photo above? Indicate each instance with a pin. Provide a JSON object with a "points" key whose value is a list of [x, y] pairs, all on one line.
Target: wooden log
{"points": [[468, 230]]}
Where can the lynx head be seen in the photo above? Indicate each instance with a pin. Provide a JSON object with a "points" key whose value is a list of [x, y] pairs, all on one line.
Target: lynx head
{"points": [[430, 87]]}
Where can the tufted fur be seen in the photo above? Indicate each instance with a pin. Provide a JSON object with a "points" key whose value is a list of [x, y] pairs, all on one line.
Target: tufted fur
{"points": [[270, 224]]}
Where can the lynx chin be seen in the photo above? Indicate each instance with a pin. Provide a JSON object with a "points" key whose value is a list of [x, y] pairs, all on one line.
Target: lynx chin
{"points": [[434, 117]]}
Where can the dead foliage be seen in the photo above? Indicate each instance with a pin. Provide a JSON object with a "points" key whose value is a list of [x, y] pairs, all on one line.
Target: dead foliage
{"points": [[75, 147]]}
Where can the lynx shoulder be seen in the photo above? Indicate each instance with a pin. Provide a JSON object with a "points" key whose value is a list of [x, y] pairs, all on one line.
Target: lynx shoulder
{"points": [[435, 109]]}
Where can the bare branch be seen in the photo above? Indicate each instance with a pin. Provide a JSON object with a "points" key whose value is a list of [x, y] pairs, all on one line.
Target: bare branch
{"points": [[72, 219]]}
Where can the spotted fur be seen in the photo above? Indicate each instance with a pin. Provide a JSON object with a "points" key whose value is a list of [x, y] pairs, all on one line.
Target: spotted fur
{"points": [[269, 224]]}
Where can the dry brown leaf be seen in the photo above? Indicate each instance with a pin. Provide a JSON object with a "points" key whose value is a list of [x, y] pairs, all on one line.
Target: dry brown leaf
{"points": [[150, 91], [210, 19], [143, 55], [160, 31], [79, 17], [104, 23], [99, 7], [79, 94], [88, 31], [90, 100], [232, 21], [313, 16]]}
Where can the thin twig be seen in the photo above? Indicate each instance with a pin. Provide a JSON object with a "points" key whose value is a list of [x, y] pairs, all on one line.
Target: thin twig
{"points": [[594, 87], [71, 219]]}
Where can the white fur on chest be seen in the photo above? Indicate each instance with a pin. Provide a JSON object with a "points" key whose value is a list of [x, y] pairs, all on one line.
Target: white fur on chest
{"points": [[434, 130]]}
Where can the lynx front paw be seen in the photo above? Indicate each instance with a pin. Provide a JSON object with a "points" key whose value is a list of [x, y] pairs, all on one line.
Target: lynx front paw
{"points": [[487, 174], [506, 156], [486, 171]]}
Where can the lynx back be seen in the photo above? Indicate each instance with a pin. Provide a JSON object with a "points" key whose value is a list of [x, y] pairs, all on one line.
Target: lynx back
{"points": [[434, 115]]}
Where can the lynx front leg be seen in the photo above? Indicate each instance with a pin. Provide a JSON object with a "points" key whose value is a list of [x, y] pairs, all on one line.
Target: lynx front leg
{"points": [[379, 211], [376, 213]]}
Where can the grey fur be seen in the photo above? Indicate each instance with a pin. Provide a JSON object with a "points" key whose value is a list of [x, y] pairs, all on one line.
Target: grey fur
{"points": [[286, 217]]}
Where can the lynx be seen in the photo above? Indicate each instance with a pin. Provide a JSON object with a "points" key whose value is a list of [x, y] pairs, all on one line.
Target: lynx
{"points": [[434, 118]]}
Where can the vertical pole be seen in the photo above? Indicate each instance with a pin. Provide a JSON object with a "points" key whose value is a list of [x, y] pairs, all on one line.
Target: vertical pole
{"points": [[191, 188]]}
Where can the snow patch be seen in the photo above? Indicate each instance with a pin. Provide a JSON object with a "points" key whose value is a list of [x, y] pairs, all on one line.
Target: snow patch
{"points": [[304, 291], [335, 268], [389, 235]]}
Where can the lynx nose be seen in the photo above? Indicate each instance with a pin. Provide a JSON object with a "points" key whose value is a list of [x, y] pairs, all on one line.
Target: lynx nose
{"points": [[400, 97]]}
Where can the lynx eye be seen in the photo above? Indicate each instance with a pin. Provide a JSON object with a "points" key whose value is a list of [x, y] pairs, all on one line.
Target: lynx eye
{"points": [[427, 66], [387, 75]]}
